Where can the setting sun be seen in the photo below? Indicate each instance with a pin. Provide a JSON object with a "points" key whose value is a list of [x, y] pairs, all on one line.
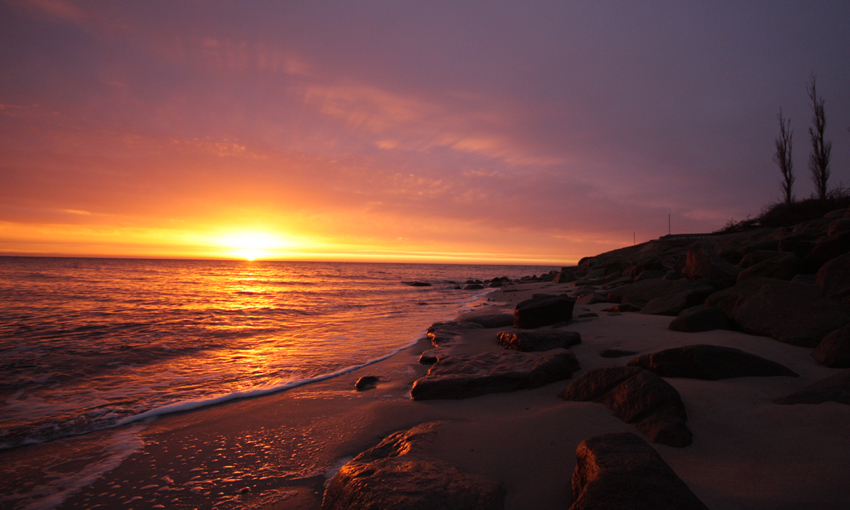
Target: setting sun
{"points": [[254, 245]]}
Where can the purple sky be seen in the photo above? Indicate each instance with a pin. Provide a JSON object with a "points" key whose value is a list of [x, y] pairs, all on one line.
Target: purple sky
{"points": [[403, 130]]}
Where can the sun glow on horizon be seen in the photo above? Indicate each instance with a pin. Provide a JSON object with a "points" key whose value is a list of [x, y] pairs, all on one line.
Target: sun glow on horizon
{"points": [[255, 245]]}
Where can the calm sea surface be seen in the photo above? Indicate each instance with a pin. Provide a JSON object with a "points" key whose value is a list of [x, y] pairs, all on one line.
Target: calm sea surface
{"points": [[88, 344]]}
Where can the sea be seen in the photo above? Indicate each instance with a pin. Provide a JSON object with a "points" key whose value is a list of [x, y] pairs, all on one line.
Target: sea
{"points": [[90, 344]]}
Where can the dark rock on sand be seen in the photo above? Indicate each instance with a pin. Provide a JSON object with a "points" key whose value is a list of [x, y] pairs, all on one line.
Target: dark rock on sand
{"points": [[442, 333], [459, 377], [834, 277], [616, 353], [591, 298], [702, 262], [543, 310], [832, 389], [489, 320], [641, 293], [429, 357], [530, 341], [625, 307], [674, 303], [791, 312], [398, 473], [473, 286], [702, 319], [709, 362], [638, 397], [366, 382], [565, 276], [834, 350], [622, 471]]}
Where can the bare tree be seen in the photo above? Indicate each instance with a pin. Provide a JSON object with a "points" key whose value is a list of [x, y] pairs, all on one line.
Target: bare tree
{"points": [[782, 157], [819, 158]]}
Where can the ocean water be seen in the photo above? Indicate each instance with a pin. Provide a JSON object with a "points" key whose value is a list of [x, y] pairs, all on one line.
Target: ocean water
{"points": [[92, 344]]}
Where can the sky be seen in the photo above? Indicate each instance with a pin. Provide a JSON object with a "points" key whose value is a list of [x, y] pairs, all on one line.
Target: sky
{"points": [[472, 131]]}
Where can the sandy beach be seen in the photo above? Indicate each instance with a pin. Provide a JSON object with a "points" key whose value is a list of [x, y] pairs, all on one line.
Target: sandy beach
{"points": [[747, 452]]}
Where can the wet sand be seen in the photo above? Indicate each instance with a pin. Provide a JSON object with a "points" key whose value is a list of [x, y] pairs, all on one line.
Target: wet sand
{"points": [[276, 451]]}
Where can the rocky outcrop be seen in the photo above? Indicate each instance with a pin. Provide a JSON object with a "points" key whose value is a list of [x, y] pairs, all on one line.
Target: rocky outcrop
{"points": [[638, 397], [457, 377], [444, 333], [709, 362], [827, 248], [832, 389], [784, 267], [834, 350], [834, 277], [701, 319], [620, 471], [543, 310], [489, 320], [641, 293], [546, 340], [702, 262], [791, 312], [674, 303], [398, 473]]}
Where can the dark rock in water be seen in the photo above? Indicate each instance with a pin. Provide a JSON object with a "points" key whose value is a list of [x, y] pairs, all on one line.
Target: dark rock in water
{"points": [[638, 397], [489, 320], [703, 319], [641, 293], [832, 389], [616, 353], [459, 377], [793, 313], [703, 262], [784, 267], [366, 382], [674, 303], [834, 277], [398, 473], [626, 307], [621, 471], [543, 310], [417, 284], [709, 362], [442, 333], [834, 350], [529, 341], [473, 286]]}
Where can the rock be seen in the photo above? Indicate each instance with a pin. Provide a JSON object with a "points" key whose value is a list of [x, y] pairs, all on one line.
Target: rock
{"points": [[625, 307], [834, 277], [648, 265], [473, 286], [367, 382], [588, 315], [459, 377], [840, 225], [588, 262], [791, 312], [417, 284], [757, 256], [673, 304], [442, 333], [616, 353], [543, 311], [703, 262], [798, 247], [834, 350], [703, 319], [489, 320], [650, 274], [591, 299], [398, 473], [565, 276], [832, 389], [784, 267], [429, 357], [546, 340], [827, 248], [638, 397], [709, 362], [641, 293], [622, 471]]}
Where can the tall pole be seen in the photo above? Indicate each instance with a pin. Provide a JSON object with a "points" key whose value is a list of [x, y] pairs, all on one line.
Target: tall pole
{"points": [[669, 231]]}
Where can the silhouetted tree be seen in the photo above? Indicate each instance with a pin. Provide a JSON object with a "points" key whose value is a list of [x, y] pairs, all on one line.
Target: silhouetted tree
{"points": [[819, 158], [782, 157]]}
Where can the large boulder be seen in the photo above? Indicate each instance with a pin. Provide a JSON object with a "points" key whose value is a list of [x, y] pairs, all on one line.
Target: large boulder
{"points": [[675, 303], [642, 292], [709, 362], [545, 340], [444, 333], [457, 377], [701, 319], [834, 277], [828, 247], [834, 350], [783, 267], [757, 256], [702, 262], [636, 396], [621, 471], [488, 320], [543, 310], [398, 473], [832, 389], [791, 312]]}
